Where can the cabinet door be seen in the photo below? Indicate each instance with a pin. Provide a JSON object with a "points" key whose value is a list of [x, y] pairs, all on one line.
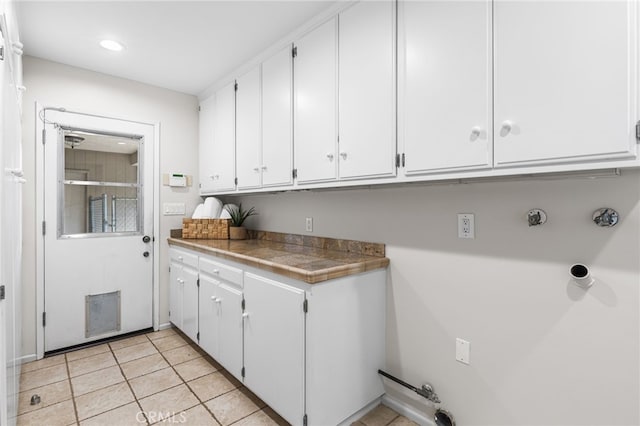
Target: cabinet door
{"points": [[367, 95], [223, 160], [206, 146], [315, 130], [445, 85], [229, 312], [208, 314], [277, 119], [274, 345], [565, 81], [176, 282], [190, 303], [248, 131]]}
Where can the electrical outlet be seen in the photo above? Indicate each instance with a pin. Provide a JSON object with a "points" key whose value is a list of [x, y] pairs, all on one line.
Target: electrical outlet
{"points": [[466, 225], [462, 351], [308, 224]]}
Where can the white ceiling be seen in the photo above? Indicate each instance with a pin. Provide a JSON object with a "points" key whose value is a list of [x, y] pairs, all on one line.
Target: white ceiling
{"points": [[180, 45]]}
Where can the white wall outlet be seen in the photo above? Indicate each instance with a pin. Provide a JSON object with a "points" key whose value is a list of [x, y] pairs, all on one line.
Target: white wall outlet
{"points": [[308, 224], [466, 225], [462, 351]]}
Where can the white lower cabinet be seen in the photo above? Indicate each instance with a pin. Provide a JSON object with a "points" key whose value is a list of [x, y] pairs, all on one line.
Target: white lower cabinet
{"points": [[274, 344], [183, 292], [310, 351], [220, 307]]}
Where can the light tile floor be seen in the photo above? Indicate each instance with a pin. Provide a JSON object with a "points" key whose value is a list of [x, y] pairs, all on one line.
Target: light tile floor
{"points": [[159, 377]]}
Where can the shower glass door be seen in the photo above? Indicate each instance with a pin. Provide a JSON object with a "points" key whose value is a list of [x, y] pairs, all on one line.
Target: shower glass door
{"points": [[98, 213]]}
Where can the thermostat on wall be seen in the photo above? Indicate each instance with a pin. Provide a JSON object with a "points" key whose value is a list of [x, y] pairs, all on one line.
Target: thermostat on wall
{"points": [[177, 179]]}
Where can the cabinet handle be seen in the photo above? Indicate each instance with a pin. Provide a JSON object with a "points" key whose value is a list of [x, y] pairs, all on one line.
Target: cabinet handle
{"points": [[475, 133], [264, 168], [214, 177], [343, 155], [181, 281], [330, 157], [256, 169], [506, 128], [216, 299]]}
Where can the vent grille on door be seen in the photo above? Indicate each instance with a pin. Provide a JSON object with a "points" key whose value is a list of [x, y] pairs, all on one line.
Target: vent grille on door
{"points": [[102, 313]]}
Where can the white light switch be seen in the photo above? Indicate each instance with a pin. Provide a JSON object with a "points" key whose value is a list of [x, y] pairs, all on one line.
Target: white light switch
{"points": [[170, 209], [462, 351]]}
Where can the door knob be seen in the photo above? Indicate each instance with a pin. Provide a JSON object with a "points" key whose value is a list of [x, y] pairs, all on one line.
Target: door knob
{"points": [[145, 254], [146, 239]]}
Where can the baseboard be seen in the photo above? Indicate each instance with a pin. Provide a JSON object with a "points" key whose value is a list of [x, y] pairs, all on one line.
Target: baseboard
{"points": [[360, 413], [165, 326], [407, 411], [27, 358]]}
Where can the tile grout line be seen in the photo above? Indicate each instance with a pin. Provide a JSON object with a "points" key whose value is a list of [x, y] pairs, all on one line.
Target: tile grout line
{"points": [[73, 397], [126, 380]]}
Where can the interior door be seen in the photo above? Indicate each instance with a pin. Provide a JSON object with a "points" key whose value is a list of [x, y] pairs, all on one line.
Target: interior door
{"points": [[98, 279]]}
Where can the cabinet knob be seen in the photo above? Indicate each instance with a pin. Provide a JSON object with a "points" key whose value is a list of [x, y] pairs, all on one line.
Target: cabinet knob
{"points": [[216, 271], [214, 177], [330, 157], [216, 299], [256, 169], [264, 168], [343, 155], [475, 133], [245, 315], [506, 128]]}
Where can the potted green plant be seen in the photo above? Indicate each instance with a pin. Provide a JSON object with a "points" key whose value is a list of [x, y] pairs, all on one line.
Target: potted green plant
{"points": [[238, 216]]}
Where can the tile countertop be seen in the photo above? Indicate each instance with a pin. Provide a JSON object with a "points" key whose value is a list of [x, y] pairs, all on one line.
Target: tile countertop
{"points": [[308, 259]]}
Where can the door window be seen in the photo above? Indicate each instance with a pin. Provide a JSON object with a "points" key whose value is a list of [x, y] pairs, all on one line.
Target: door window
{"points": [[99, 184]]}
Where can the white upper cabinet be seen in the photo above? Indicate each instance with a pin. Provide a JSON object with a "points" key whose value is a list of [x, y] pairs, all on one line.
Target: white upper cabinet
{"points": [[565, 81], [315, 86], [367, 95], [206, 144], [248, 130], [217, 141], [277, 119], [445, 85]]}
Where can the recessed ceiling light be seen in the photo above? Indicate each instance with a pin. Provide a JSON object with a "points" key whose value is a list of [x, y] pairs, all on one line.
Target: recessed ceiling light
{"points": [[111, 45]]}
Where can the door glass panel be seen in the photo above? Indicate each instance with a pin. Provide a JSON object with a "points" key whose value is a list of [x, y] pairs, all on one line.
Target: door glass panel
{"points": [[99, 184]]}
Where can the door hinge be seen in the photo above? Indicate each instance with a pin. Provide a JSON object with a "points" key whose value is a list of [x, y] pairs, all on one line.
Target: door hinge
{"points": [[44, 136], [304, 420], [235, 87], [403, 159], [242, 304], [305, 306], [294, 51], [44, 319], [294, 173], [198, 336], [638, 131], [2, 293], [242, 372], [44, 227], [236, 181]]}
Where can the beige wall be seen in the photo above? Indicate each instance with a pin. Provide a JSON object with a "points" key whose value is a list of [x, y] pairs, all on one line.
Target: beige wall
{"points": [[543, 352], [75, 89]]}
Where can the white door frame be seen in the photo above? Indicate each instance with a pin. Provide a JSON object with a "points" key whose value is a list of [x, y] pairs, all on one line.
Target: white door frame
{"points": [[40, 218]]}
